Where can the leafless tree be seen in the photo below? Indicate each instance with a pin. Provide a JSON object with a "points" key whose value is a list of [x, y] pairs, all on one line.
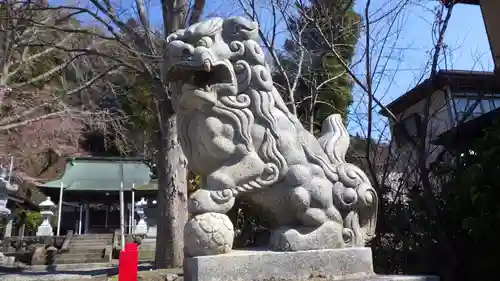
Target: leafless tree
{"points": [[408, 168], [46, 81], [379, 33], [136, 44]]}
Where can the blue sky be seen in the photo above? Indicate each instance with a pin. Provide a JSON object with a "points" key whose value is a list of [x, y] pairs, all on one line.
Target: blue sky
{"points": [[466, 38]]}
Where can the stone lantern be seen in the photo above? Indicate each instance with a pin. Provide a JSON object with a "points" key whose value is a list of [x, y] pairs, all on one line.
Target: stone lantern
{"points": [[47, 207], [141, 227], [6, 188], [151, 214]]}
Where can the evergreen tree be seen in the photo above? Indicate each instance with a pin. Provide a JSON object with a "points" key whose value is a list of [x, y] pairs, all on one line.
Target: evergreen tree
{"points": [[338, 22]]}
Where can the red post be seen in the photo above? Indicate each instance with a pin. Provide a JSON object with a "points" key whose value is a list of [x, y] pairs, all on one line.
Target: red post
{"points": [[122, 266], [133, 256], [128, 263]]}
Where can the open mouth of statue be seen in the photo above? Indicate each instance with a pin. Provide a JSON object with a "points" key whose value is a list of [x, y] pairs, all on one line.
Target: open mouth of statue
{"points": [[207, 79]]}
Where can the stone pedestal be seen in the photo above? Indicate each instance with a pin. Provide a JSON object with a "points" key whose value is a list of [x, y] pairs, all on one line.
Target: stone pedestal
{"points": [[4, 212], [249, 265], [47, 207], [141, 227], [8, 227]]}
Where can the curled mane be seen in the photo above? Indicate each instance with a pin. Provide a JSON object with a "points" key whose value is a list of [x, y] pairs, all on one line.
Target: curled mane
{"points": [[253, 102]]}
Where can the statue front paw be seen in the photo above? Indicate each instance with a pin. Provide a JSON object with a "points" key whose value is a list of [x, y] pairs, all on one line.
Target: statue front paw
{"points": [[205, 201], [208, 234]]}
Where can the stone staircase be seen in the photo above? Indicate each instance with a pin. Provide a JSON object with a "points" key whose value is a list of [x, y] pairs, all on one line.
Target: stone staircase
{"points": [[147, 249], [88, 248]]}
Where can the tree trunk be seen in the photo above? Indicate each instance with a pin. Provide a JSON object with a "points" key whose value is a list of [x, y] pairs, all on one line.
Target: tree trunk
{"points": [[172, 193]]}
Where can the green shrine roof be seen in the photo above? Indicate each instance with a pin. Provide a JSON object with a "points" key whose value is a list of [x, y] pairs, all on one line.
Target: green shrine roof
{"points": [[152, 185], [102, 174]]}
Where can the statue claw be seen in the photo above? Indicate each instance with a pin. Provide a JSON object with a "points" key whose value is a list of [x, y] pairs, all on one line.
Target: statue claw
{"points": [[210, 201]]}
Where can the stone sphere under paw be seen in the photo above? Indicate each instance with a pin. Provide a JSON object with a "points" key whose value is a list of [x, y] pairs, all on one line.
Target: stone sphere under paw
{"points": [[208, 234]]}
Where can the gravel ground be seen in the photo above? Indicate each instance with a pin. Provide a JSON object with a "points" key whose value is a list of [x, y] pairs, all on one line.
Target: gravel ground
{"points": [[100, 274], [60, 275]]}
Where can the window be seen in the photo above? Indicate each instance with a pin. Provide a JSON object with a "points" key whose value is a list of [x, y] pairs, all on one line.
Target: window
{"points": [[467, 108], [496, 103], [487, 105], [490, 104]]}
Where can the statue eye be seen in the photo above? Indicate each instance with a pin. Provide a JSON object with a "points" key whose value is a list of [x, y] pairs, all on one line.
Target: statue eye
{"points": [[205, 42]]}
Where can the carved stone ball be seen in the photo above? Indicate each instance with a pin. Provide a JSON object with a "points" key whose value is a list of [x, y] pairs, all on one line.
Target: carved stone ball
{"points": [[208, 234]]}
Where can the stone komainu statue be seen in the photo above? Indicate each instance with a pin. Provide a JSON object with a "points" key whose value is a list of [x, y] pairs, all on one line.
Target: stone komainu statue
{"points": [[238, 134]]}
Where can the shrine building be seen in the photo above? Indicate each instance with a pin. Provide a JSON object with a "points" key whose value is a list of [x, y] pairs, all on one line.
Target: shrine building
{"points": [[91, 193]]}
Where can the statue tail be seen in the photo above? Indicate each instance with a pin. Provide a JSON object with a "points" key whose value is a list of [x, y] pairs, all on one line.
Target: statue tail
{"points": [[334, 139], [362, 207]]}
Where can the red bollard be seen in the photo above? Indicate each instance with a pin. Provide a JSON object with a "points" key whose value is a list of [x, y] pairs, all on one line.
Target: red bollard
{"points": [[122, 266], [133, 260], [128, 263]]}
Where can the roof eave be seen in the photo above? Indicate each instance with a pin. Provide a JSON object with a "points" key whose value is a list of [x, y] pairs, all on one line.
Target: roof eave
{"points": [[430, 86]]}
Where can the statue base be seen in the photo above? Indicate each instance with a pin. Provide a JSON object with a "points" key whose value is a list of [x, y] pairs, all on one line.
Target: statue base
{"points": [[141, 228], [45, 230], [255, 265]]}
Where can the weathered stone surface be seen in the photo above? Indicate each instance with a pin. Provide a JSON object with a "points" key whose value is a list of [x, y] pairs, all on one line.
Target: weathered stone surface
{"points": [[238, 134], [327, 236], [250, 265], [396, 278], [208, 234], [354, 264]]}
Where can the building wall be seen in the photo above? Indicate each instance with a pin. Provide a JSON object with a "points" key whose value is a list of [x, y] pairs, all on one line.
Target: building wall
{"points": [[439, 116], [404, 172], [440, 120]]}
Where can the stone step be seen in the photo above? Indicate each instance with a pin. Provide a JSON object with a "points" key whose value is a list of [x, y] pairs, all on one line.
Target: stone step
{"points": [[85, 248], [93, 237], [88, 243], [79, 260], [151, 244], [92, 251], [84, 242], [146, 255], [91, 240], [82, 257]]}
